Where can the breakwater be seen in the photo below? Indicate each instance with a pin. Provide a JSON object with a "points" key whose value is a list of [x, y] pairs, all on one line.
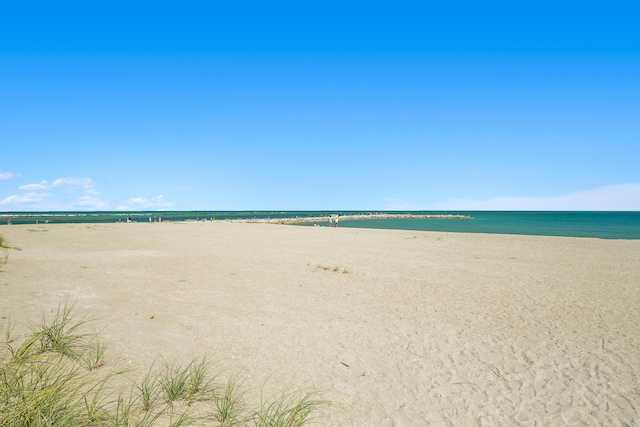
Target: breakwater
{"points": [[347, 217]]}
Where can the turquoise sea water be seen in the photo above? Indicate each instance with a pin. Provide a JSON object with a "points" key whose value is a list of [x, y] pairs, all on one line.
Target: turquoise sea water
{"points": [[605, 225]]}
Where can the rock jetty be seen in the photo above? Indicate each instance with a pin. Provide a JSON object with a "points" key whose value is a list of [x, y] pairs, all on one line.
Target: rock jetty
{"points": [[347, 217]]}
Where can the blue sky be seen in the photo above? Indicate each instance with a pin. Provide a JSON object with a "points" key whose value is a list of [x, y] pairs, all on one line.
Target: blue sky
{"points": [[319, 105]]}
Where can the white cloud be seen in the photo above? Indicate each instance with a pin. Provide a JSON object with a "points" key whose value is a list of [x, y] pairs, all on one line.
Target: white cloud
{"points": [[41, 186], [70, 183], [76, 184], [161, 202], [622, 197], [27, 199], [142, 203], [90, 203], [67, 193], [73, 194], [6, 175], [137, 200]]}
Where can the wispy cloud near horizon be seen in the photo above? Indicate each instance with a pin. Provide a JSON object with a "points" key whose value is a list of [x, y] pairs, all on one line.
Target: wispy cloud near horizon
{"points": [[41, 186], [66, 193], [143, 203], [74, 194], [25, 201], [621, 197], [7, 175]]}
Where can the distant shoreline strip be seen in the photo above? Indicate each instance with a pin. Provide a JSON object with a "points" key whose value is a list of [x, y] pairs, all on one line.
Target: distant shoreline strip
{"points": [[303, 220]]}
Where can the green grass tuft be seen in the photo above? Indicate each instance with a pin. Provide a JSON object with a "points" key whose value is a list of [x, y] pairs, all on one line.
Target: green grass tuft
{"points": [[230, 406], [190, 383], [55, 376], [61, 335], [4, 251], [93, 358], [289, 409]]}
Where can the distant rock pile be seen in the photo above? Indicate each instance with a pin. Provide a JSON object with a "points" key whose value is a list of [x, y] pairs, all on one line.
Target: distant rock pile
{"points": [[303, 220]]}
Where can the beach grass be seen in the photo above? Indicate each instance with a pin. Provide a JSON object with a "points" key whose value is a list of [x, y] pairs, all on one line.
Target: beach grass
{"points": [[190, 383], [289, 408], [149, 392], [230, 405], [58, 375], [4, 250], [94, 357]]}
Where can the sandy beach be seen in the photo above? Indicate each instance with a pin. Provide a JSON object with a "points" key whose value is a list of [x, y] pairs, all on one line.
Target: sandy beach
{"points": [[398, 328]]}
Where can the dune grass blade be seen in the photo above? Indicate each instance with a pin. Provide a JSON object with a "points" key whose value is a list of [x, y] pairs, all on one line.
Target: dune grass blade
{"points": [[94, 408], [4, 255], [183, 420], [126, 411], [4, 251], [61, 335], [41, 391], [51, 378], [293, 409], [149, 392], [93, 358], [230, 407], [190, 383]]}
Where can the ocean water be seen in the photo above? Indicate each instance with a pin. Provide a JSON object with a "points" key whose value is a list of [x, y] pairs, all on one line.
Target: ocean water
{"points": [[604, 225]]}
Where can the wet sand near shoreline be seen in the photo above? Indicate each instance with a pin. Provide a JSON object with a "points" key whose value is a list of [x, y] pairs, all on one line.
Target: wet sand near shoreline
{"points": [[400, 328]]}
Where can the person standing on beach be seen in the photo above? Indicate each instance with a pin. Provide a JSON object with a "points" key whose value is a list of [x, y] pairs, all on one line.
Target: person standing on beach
{"points": [[330, 221], [336, 220]]}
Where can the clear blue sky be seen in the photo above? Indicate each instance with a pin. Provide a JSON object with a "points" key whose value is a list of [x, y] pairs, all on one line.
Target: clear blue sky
{"points": [[327, 105]]}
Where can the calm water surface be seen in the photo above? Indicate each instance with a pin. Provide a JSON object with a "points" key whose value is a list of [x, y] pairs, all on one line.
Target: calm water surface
{"points": [[605, 225]]}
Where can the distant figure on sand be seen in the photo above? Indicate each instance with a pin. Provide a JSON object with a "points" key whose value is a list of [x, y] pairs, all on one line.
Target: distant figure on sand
{"points": [[336, 220], [330, 221]]}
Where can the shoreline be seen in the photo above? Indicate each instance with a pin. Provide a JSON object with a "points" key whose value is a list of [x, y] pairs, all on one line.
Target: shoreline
{"points": [[606, 225]]}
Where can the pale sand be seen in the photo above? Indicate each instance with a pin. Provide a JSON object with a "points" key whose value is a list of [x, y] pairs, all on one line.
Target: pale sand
{"points": [[402, 328]]}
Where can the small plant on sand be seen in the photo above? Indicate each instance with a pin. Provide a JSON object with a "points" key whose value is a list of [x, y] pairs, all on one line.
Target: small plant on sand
{"points": [[190, 383], [41, 381], [335, 269], [61, 335], [55, 376], [93, 358], [149, 390], [288, 409], [230, 406], [4, 251]]}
